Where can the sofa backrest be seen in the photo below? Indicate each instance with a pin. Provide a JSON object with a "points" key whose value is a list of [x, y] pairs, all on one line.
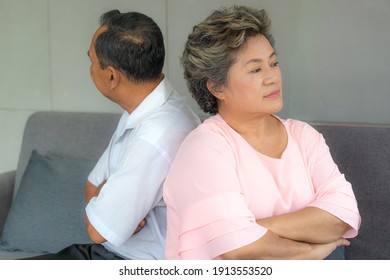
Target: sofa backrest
{"points": [[363, 155], [78, 135]]}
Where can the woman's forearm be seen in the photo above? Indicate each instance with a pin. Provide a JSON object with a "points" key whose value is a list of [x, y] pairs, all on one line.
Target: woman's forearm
{"points": [[271, 246], [311, 224]]}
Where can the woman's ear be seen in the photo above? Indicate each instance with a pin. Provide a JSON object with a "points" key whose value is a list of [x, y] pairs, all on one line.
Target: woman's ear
{"points": [[215, 90]]}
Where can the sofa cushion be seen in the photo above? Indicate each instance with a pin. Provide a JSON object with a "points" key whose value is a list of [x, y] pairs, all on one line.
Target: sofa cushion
{"points": [[47, 213]]}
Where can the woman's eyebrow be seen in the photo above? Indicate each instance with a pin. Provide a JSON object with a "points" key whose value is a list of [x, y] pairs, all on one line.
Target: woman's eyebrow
{"points": [[257, 60]]}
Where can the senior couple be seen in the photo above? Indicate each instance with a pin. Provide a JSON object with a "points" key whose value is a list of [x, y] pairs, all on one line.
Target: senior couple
{"points": [[244, 184]]}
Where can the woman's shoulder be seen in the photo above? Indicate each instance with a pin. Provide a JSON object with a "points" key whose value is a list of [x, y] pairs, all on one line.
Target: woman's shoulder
{"points": [[213, 131], [304, 135], [213, 125], [206, 143], [299, 128]]}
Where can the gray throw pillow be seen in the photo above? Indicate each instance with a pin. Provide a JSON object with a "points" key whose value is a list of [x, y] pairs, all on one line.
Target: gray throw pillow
{"points": [[47, 213]]}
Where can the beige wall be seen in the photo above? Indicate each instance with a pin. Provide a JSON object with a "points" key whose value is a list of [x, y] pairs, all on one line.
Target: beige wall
{"points": [[334, 57]]}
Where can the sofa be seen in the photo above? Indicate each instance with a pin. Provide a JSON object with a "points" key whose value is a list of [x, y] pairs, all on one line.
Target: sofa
{"points": [[42, 201]]}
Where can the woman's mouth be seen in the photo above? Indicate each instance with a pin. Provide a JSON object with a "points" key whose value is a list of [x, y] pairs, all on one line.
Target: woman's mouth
{"points": [[273, 94]]}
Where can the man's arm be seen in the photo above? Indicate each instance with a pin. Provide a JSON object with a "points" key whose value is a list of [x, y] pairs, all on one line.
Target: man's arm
{"points": [[91, 191]]}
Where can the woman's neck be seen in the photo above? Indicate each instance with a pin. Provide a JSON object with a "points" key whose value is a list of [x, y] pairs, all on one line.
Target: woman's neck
{"points": [[266, 134]]}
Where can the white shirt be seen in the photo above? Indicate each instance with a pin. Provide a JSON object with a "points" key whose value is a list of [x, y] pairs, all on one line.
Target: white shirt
{"points": [[135, 165]]}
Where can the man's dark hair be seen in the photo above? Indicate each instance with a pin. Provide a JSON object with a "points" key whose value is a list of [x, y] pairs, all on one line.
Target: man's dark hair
{"points": [[133, 44]]}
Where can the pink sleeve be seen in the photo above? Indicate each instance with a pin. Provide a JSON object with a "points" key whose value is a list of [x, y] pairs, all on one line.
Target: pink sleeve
{"points": [[334, 193], [217, 225], [213, 216]]}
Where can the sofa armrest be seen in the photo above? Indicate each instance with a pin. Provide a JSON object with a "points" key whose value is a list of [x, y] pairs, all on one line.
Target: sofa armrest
{"points": [[7, 183]]}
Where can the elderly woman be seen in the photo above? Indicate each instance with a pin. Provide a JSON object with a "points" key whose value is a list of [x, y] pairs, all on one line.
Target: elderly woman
{"points": [[247, 184]]}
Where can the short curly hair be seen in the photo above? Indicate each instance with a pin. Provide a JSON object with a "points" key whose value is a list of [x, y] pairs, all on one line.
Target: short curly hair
{"points": [[212, 47]]}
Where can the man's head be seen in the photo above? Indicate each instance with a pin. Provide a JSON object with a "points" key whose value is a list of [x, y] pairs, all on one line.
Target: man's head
{"points": [[131, 43]]}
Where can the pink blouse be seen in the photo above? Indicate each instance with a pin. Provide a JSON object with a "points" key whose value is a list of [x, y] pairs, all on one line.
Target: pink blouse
{"points": [[218, 186]]}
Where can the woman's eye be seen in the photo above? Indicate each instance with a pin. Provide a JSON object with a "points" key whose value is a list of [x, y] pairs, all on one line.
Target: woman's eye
{"points": [[275, 64], [256, 70]]}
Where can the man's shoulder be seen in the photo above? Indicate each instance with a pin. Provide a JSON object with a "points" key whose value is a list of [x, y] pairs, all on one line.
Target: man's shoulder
{"points": [[173, 120], [176, 110]]}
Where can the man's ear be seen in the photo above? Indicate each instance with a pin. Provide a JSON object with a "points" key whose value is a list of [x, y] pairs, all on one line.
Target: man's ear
{"points": [[114, 77], [215, 90]]}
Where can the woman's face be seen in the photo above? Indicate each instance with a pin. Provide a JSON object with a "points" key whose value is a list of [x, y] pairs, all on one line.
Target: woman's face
{"points": [[254, 84]]}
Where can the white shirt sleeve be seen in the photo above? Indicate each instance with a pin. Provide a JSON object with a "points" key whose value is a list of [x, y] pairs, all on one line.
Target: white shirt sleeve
{"points": [[100, 172], [129, 193]]}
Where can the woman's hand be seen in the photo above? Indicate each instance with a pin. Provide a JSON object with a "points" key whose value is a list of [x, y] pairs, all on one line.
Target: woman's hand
{"points": [[321, 251]]}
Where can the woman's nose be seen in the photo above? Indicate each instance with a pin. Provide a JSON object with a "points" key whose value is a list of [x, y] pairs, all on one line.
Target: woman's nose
{"points": [[271, 75]]}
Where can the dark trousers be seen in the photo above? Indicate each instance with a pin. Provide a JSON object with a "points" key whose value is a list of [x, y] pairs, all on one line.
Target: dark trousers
{"points": [[80, 252]]}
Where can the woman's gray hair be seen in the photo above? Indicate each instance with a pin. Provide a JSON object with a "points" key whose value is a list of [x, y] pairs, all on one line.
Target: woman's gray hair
{"points": [[211, 49]]}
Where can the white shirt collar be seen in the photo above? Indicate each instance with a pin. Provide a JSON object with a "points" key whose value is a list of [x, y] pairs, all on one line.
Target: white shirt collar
{"points": [[148, 106]]}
